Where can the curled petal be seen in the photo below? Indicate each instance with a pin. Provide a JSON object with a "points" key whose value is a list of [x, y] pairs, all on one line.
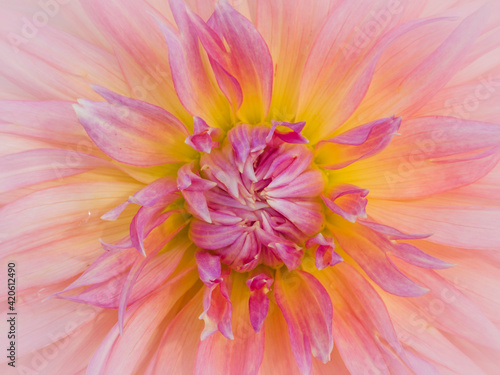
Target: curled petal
{"points": [[217, 308], [217, 355], [310, 321], [356, 144], [306, 215], [209, 267], [347, 201], [325, 251], [294, 136], [203, 136], [134, 132], [258, 303], [193, 187]]}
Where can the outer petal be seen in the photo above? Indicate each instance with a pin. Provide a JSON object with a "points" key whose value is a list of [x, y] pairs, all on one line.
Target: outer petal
{"points": [[457, 315], [453, 220], [134, 132], [364, 334], [429, 158], [368, 249], [310, 322], [178, 346], [141, 50], [418, 78], [278, 355], [72, 222], [46, 63], [124, 355], [35, 166], [289, 26]]}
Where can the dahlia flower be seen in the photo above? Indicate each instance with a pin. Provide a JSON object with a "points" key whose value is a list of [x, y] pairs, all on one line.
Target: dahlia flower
{"points": [[250, 187]]}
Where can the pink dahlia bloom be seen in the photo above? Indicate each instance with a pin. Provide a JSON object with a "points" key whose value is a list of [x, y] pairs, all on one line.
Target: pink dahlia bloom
{"points": [[256, 187]]}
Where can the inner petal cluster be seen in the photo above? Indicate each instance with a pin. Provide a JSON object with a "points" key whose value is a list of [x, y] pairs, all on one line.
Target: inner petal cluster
{"points": [[256, 199]]}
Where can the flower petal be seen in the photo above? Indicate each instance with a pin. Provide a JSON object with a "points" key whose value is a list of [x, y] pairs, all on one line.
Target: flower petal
{"points": [[218, 308], [429, 158], [364, 334], [134, 132], [356, 144], [368, 249], [248, 60], [31, 167], [258, 303], [310, 322], [453, 220], [243, 355], [189, 73], [348, 201], [122, 354]]}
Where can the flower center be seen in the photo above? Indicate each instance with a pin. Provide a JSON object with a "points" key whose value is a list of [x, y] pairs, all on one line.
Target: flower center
{"points": [[255, 200]]}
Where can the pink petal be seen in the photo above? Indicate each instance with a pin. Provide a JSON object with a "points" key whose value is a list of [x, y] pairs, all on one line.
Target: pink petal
{"points": [[290, 137], [134, 132], [310, 322], [248, 60], [258, 303], [417, 257], [347, 201], [364, 333], [193, 187], [368, 249], [212, 237], [356, 144], [306, 215], [202, 139], [35, 166], [217, 308], [121, 354], [188, 70], [390, 232], [140, 48], [325, 255], [209, 267], [308, 184], [429, 158], [242, 355]]}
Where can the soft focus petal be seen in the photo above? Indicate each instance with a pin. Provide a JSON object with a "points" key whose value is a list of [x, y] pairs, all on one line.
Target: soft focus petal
{"points": [[429, 158], [309, 323]]}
